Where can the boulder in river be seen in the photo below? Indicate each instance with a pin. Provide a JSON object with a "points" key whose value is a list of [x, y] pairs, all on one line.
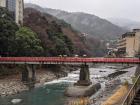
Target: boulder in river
{"points": [[16, 101]]}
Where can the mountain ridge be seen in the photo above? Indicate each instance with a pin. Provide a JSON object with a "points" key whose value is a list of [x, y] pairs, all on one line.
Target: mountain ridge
{"points": [[126, 23], [58, 37], [86, 23]]}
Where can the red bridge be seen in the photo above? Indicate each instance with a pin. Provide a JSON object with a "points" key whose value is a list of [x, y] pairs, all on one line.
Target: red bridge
{"points": [[84, 78], [28, 74], [65, 60]]}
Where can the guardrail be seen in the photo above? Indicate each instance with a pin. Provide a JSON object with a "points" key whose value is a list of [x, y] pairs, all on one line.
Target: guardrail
{"points": [[133, 91]]}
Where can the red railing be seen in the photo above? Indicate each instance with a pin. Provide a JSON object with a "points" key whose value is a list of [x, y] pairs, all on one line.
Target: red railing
{"points": [[69, 59]]}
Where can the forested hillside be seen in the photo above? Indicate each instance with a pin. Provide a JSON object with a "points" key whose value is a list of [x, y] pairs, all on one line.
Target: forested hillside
{"points": [[86, 23], [57, 37]]}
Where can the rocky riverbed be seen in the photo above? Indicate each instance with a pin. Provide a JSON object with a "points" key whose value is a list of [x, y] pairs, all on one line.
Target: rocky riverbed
{"points": [[111, 79], [113, 84], [12, 84], [52, 93]]}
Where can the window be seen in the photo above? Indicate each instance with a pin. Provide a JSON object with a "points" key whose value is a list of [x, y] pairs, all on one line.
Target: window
{"points": [[11, 5]]}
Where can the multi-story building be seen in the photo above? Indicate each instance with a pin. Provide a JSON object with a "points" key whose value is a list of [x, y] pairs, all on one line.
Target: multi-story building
{"points": [[16, 7], [2, 3], [129, 44]]}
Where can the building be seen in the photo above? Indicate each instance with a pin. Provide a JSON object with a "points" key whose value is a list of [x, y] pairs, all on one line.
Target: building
{"points": [[129, 44], [16, 7], [2, 3]]}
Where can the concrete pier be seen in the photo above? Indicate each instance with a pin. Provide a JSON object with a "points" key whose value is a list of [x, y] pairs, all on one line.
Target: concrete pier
{"points": [[29, 75], [25, 74], [84, 78], [84, 86]]}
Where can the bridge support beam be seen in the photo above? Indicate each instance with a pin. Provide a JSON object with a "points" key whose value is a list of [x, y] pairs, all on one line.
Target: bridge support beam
{"points": [[29, 75], [84, 78]]}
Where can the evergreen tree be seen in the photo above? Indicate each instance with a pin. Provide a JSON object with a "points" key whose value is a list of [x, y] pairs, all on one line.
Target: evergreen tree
{"points": [[27, 43], [7, 33]]}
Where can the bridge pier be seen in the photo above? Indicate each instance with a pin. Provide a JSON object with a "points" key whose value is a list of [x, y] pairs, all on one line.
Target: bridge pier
{"points": [[84, 87], [137, 72], [25, 74], [32, 74], [29, 75], [84, 78]]}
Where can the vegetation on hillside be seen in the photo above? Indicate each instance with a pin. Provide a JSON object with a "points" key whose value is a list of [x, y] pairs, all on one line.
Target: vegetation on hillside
{"points": [[57, 37], [44, 35], [15, 41], [62, 44], [96, 28], [85, 23], [23, 41], [27, 43]]}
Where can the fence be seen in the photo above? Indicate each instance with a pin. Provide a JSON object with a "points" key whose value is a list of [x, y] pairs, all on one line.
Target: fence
{"points": [[129, 98]]}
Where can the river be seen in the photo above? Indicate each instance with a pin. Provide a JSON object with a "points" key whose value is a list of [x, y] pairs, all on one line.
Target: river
{"points": [[52, 93]]}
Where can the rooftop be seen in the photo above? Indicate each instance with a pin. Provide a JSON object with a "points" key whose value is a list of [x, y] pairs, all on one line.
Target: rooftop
{"points": [[128, 34]]}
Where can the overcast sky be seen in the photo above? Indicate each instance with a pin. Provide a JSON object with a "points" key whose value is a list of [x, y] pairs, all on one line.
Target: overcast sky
{"points": [[129, 9]]}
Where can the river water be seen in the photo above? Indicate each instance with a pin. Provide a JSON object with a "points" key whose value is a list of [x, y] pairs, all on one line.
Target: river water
{"points": [[52, 93]]}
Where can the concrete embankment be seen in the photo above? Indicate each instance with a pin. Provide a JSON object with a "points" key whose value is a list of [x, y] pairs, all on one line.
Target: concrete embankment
{"points": [[117, 97], [82, 91]]}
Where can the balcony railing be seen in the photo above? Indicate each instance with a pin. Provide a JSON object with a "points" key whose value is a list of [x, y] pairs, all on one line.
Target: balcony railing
{"points": [[121, 40], [132, 93]]}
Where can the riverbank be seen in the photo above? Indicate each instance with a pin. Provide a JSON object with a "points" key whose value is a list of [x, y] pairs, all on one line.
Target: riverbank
{"points": [[111, 80], [113, 84], [52, 93], [10, 85]]}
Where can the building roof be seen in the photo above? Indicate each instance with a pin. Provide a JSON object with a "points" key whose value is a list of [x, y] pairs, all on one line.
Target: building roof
{"points": [[136, 30], [128, 34]]}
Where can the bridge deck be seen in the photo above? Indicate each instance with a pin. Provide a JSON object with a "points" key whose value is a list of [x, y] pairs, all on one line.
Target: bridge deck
{"points": [[65, 60]]}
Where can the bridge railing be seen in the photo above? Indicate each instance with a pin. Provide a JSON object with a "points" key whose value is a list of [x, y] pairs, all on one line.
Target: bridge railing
{"points": [[130, 96], [69, 59]]}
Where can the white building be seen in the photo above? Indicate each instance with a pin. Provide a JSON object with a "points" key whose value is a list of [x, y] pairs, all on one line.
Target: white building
{"points": [[16, 7], [129, 44], [2, 3]]}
